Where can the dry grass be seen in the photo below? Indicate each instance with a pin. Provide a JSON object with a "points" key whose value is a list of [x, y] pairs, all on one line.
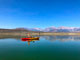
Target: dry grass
{"points": [[36, 33]]}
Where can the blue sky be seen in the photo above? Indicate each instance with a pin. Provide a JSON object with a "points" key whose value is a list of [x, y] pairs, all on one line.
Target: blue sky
{"points": [[39, 13]]}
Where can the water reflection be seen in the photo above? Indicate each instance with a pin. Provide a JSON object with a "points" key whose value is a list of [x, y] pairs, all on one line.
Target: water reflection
{"points": [[8, 36], [29, 41], [62, 38]]}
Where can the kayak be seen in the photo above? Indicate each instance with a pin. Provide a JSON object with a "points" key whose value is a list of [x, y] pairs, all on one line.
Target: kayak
{"points": [[31, 38]]}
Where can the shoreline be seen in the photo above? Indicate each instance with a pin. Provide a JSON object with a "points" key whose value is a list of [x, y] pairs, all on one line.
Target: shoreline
{"points": [[39, 33]]}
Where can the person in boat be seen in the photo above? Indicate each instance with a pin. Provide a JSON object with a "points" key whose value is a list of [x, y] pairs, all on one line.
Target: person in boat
{"points": [[28, 35]]}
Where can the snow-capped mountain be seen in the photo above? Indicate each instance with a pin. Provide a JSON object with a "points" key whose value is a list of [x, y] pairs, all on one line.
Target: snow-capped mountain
{"points": [[54, 29], [34, 29], [63, 29], [50, 29]]}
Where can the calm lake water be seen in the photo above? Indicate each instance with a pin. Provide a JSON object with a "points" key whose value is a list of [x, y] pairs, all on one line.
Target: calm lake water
{"points": [[47, 48]]}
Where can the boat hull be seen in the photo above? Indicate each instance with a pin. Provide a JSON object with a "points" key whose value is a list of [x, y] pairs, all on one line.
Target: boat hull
{"points": [[33, 38]]}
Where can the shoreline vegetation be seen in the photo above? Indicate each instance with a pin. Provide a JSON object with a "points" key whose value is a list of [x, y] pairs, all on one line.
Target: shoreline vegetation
{"points": [[23, 32]]}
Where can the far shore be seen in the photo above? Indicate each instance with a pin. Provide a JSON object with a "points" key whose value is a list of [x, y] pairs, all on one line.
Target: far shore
{"points": [[37, 33]]}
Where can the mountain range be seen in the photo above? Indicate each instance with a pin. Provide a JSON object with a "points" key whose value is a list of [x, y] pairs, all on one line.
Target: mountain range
{"points": [[48, 29], [54, 29]]}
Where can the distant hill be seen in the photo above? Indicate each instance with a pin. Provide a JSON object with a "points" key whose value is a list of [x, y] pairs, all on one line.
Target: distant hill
{"points": [[17, 30], [14, 30]]}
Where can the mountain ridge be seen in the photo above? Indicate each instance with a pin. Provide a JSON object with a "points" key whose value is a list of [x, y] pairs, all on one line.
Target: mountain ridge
{"points": [[48, 29]]}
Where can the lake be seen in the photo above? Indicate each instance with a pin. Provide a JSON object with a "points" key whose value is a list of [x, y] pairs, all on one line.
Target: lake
{"points": [[46, 48]]}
